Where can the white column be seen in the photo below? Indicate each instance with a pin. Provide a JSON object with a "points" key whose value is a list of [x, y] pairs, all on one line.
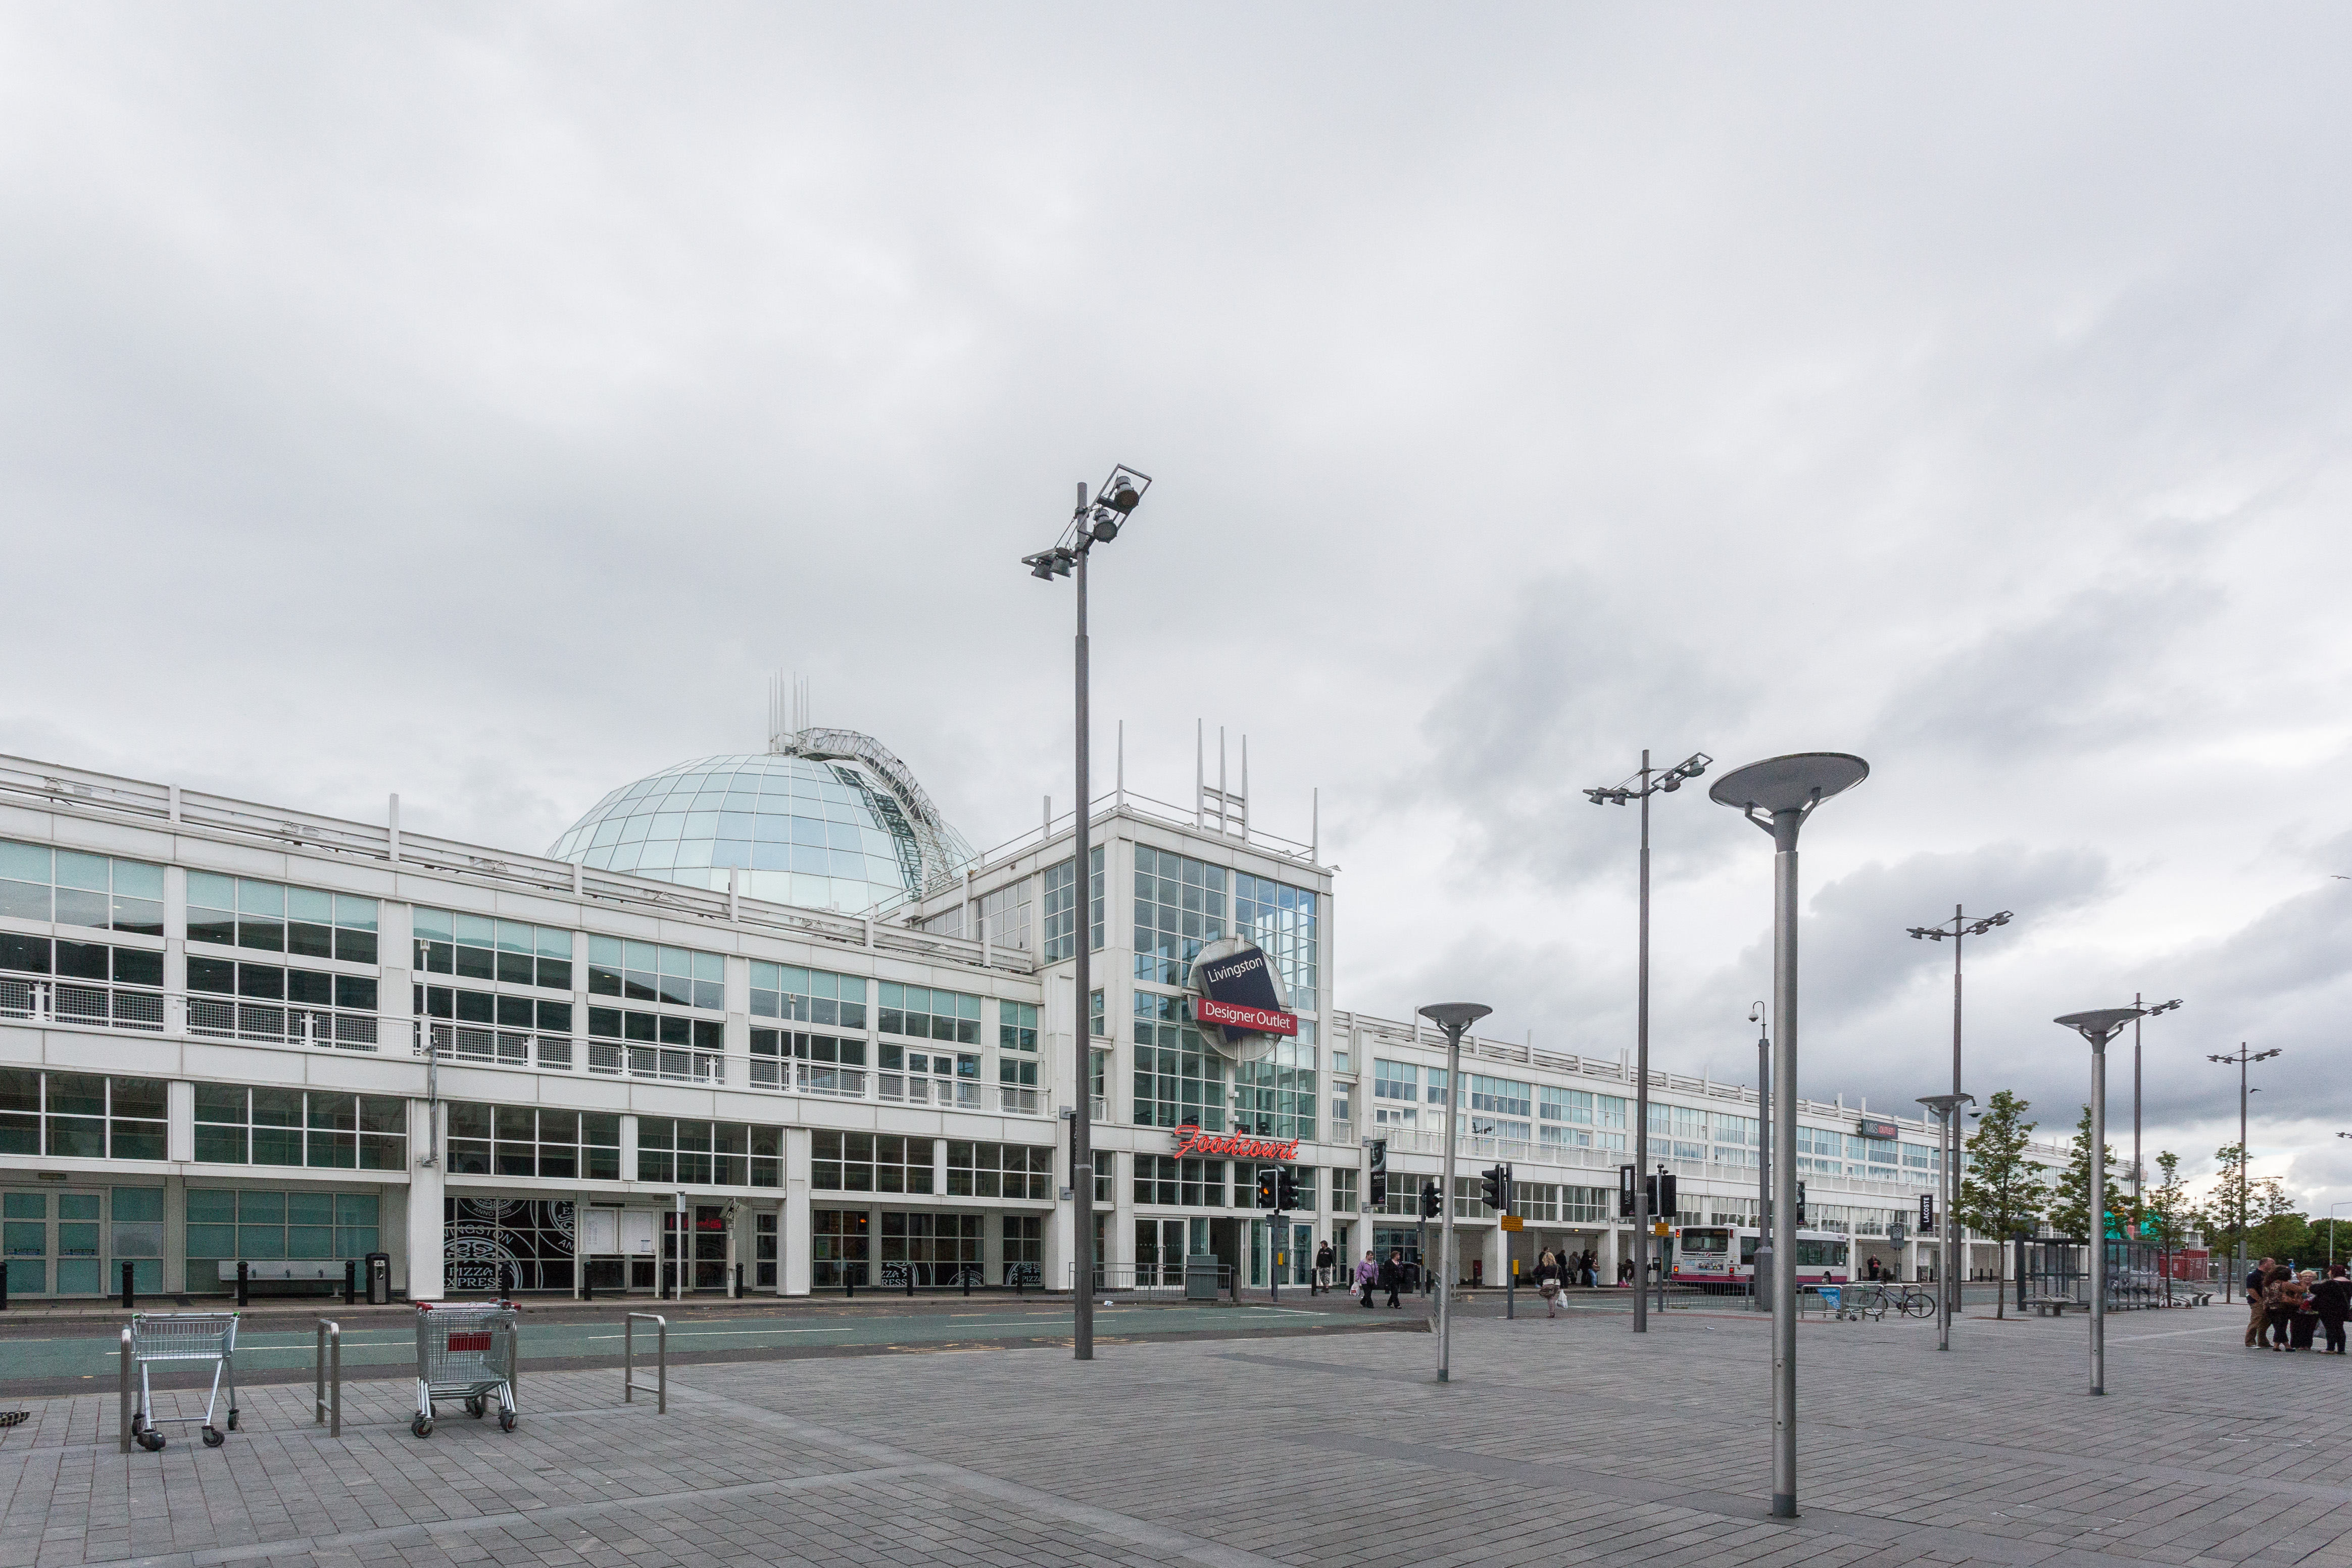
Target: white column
{"points": [[425, 1184], [180, 1132], [792, 1234], [1496, 1254]]}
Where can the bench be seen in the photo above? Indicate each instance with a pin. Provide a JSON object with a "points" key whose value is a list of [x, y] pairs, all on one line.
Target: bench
{"points": [[281, 1271], [2051, 1305]]}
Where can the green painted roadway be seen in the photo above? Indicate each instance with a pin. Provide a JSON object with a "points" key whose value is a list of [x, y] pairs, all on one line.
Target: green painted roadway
{"points": [[94, 1355]]}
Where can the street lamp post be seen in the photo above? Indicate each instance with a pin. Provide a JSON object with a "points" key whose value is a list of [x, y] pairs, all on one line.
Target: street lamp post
{"points": [[1763, 1157], [1946, 1108], [1778, 795], [1950, 1274], [2140, 1172], [1641, 784], [1452, 1018], [2244, 1059], [1091, 524], [2098, 1027]]}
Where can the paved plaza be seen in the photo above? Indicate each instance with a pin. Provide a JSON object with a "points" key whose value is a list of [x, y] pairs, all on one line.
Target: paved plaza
{"points": [[1559, 1441]]}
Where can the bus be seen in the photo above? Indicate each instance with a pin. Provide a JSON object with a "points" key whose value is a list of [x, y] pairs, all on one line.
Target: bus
{"points": [[1724, 1256]]}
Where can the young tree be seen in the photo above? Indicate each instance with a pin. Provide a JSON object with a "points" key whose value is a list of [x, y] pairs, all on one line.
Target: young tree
{"points": [[2168, 1212], [2001, 1193], [2070, 1208]]}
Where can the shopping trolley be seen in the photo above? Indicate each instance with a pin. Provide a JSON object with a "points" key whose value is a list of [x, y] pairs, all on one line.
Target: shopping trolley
{"points": [[184, 1336], [465, 1350]]}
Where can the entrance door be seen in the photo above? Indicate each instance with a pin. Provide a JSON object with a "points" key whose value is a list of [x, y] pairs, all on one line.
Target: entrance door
{"points": [[53, 1242], [1158, 1252], [1225, 1241]]}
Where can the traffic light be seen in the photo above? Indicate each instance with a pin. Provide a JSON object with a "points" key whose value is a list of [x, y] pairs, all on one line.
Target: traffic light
{"points": [[1430, 1201], [1801, 1205], [1497, 1180], [1286, 1189], [1661, 1190], [1625, 1192], [1266, 1187], [1380, 1173]]}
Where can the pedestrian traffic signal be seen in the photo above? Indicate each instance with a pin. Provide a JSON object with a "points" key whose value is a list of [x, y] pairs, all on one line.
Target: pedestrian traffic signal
{"points": [[1380, 1173], [1625, 1192], [1430, 1201], [1266, 1187], [1286, 1189], [1497, 1180], [1801, 1205]]}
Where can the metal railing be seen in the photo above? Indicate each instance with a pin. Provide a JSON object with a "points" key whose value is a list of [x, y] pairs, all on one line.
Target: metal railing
{"points": [[280, 1023], [914, 1088], [630, 1386], [474, 1043], [823, 1077], [329, 1379], [93, 1003]]}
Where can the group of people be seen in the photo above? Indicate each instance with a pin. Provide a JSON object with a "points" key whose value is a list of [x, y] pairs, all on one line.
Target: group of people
{"points": [[1389, 1275], [2285, 1308]]}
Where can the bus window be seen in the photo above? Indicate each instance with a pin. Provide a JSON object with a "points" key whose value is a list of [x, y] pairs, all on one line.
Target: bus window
{"points": [[1747, 1251], [1705, 1243]]}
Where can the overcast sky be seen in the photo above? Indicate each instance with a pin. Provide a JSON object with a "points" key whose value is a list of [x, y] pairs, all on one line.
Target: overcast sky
{"points": [[478, 403]]}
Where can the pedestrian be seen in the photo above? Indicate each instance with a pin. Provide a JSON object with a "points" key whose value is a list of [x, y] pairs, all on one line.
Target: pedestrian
{"points": [[2304, 1317], [2331, 1298], [1547, 1278], [1368, 1274], [1624, 1272], [2258, 1315], [1591, 1270], [1392, 1276], [2277, 1306], [1324, 1259]]}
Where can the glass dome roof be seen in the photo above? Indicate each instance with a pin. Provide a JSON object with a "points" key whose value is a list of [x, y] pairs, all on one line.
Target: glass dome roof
{"points": [[834, 822]]}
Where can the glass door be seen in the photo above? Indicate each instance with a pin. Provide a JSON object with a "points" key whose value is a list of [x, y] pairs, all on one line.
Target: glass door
{"points": [[54, 1242]]}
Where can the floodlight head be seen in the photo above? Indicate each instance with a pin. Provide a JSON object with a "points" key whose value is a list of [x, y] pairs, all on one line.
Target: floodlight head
{"points": [[2164, 1007], [1061, 560], [2099, 1024], [1104, 524], [1121, 495], [1778, 791], [1454, 1016], [1040, 566], [2263, 1055], [1671, 782]]}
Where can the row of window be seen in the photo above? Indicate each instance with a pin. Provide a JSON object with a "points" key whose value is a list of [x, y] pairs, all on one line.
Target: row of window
{"points": [[240, 1126], [273, 982], [807, 995], [884, 1162], [526, 1140], [271, 917], [77, 889], [86, 1116], [80, 960], [476, 947]]}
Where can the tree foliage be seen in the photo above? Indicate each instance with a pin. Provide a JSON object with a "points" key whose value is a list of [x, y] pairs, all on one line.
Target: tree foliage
{"points": [[2001, 1192], [2070, 1205]]}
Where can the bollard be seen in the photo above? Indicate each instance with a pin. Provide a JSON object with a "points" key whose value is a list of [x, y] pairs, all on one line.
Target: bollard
{"points": [[243, 1270], [911, 1278], [967, 1283], [124, 1389], [1021, 1283], [848, 1283], [659, 1387], [587, 1281], [506, 1280], [127, 1299], [351, 1280], [329, 1373], [738, 1282], [4, 1286]]}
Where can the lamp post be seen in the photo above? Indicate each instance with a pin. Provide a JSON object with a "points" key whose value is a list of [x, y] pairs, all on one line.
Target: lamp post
{"points": [[1452, 1018], [1949, 1275], [1946, 1108], [2098, 1027], [1763, 1156], [1641, 784], [2244, 1059], [2139, 1173], [1778, 795], [1089, 525]]}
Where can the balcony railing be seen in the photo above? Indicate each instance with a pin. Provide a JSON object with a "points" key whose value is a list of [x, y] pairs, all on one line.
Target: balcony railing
{"points": [[1013, 1100], [81, 1002], [823, 1077], [472, 1043], [280, 1023], [914, 1088]]}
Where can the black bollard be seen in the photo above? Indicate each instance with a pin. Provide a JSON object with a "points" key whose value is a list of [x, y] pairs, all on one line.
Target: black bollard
{"points": [[848, 1283], [4, 1286], [351, 1280], [126, 1288], [911, 1278], [738, 1282], [243, 1282], [587, 1280], [967, 1282]]}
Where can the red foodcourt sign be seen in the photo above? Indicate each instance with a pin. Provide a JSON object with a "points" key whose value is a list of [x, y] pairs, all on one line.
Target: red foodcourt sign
{"points": [[1192, 1141], [1265, 1020]]}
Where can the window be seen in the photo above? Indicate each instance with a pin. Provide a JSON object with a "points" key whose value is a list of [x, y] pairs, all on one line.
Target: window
{"points": [[1587, 1205], [648, 971], [827, 1065], [1024, 1249], [1608, 1110], [930, 1015], [1344, 1189], [1395, 1081], [76, 889], [1919, 1156], [930, 1248], [1554, 1135], [254, 1223], [1177, 1080], [766, 1250], [807, 995], [710, 1154], [1061, 910], [838, 1239], [1469, 1199], [84, 1116], [1436, 1086], [270, 982], [1738, 1131], [487, 1009], [1005, 915], [868, 1162], [1537, 1201], [85, 987], [241, 1126], [1567, 1105], [1277, 1097], [1502, 1096], [1179, 907], [1016, 1026], [525, 1140], [271, 917], [476, 947], [1022, 1171], [1191, 1182], [1281, 919], [656, 1045]]}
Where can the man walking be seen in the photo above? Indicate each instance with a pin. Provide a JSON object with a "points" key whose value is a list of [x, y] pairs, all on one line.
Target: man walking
{"points": [[1392, 1275], [1324, 1261], [2258, 1312]]}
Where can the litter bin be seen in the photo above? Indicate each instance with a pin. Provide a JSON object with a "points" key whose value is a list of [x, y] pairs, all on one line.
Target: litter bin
{"points": [[1200, 1277], [379, 1278]]}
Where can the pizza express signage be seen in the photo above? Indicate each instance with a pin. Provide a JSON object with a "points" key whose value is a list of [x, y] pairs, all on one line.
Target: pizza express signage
{"points": [[1236, 992], [1192, 1141]]}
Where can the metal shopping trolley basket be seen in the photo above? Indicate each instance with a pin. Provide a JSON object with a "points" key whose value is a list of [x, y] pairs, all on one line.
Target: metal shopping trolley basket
{"points": [[184, 1336], [465, 1350]]}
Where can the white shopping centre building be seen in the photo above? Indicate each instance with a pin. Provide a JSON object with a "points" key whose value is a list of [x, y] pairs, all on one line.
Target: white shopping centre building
{"points": [[767, 1010]]}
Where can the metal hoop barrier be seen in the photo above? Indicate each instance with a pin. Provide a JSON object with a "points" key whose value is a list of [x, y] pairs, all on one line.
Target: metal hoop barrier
{"points": [[125, 1445], [659, 1387], [330, 1374]]}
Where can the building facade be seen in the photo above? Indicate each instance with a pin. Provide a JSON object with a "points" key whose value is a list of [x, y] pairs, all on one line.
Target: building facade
{"points": [[238, 1033]]}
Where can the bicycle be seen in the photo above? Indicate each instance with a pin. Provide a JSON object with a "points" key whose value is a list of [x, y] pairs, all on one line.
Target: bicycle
{"points": [[1913, 1302]]}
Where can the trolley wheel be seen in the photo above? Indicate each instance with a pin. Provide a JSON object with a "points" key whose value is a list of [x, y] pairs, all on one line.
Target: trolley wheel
{"points": [[214, 1439], [474, 1407], [506, 1420], [138, 1423], [232, 1420], [422, 1427], [151, 1440]]}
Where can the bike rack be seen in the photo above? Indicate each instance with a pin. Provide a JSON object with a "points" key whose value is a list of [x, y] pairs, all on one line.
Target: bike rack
{"points": [[329, 1369], [659, 1387]]}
